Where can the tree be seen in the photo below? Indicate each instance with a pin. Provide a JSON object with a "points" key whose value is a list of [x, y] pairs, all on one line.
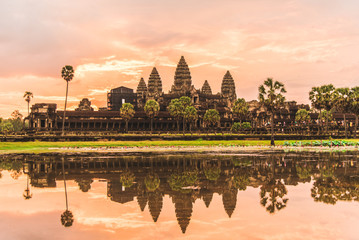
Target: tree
{"points": [[67, 218], [16, 121], [322, 98], [152, 109], [191, 116], [271, 97], [342, 104], [67, 73], [354, 106], [302, 117], [325, 116], [6, 127], [175, 110], [185, 102], [27, 97], [236, 127], [211, 118], [240, 108], [127, 112]]}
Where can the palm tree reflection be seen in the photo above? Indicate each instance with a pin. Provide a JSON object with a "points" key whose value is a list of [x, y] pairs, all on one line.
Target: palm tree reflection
{"points": [[27, 194], [67, 218]]}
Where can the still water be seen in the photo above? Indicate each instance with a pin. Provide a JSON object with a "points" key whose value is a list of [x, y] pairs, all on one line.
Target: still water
{"points": [[233, 196]]}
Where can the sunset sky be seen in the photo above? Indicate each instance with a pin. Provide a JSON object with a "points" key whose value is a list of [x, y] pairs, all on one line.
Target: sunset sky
{"points": [[302, 43]]}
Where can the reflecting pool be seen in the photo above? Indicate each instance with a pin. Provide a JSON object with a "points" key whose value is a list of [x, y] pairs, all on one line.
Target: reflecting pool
{"points": [[260, 195]]}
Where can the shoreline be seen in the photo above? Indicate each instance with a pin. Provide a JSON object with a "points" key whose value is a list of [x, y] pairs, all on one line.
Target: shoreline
{"points": [[162, 150]]}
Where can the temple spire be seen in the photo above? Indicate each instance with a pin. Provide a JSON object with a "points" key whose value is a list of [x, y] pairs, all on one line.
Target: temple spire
{"points": [[228, 88], [206, 89], [154, 82], [141, 87], [183, 80]]}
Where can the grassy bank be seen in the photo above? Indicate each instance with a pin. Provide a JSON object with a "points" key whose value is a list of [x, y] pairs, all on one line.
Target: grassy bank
{"points": [[36, 147]]}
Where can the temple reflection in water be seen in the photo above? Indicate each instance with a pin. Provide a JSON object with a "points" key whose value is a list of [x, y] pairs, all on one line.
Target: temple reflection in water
{"points": [[186, 178]]}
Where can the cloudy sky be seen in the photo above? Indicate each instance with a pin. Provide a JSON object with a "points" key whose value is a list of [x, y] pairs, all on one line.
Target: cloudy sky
{"points": [[302, 43]]}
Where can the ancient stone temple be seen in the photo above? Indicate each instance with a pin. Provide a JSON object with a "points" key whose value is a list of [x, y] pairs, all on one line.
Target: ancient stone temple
{"points": [[85, 105], [154, 84], [228, 88], [206, 89], [183, 80]]}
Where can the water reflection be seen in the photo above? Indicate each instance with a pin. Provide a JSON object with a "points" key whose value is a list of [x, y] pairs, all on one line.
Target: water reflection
{"points": [[187, 178]]}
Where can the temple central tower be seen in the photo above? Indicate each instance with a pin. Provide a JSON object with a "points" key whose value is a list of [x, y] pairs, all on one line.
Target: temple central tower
{"points": [[183, 80]]}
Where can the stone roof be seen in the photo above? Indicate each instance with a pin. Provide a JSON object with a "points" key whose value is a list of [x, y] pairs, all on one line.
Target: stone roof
{"points": [[141, 88], [154, 82], [228, 88], [206, 89], [183, 80]]}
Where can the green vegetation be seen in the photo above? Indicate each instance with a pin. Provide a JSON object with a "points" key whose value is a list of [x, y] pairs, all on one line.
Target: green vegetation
{"points": [[272, 99], [38, 147], [152, 109], [127, 112]]}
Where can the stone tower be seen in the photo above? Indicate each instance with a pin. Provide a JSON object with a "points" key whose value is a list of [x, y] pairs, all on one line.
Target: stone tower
{"points": [[183, 80], [206, 89], [229, 199], [228, 88], [183, 209], [155, 202], [141, 88], [154, 83]]}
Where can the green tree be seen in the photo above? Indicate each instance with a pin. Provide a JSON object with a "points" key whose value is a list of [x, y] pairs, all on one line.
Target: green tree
{"points": [[236, 127], [175, 110], [127, 112], [322, 98], [185, 102], [273, 196], [302, 117], [211, 118], [354, 106], [191, 116], [67, 73], [152, 109], [16, 121], [240, 108], [6, 127], [325, 116], [342, 104], [271, 97], [27, 97], [152, 182]]}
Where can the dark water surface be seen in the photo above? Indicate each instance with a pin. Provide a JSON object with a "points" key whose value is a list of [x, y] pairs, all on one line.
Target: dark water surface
{"points": [[239, 196]]}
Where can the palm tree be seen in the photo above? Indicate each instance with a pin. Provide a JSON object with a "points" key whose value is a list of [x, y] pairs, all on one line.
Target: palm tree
{"points": [[322, 98], [354, 106], [191, 116], [175, 110], [302, 116], [67, 217], [342, 103], [28, 96], [185, 102], [127, 112], [152, 109], [240, 108], [211, 117], [67, 74], [27, 194], [271, 97]]}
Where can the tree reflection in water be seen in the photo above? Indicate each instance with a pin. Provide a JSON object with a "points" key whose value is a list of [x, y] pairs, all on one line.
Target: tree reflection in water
{"points": [[187, 178], [67, 218]]}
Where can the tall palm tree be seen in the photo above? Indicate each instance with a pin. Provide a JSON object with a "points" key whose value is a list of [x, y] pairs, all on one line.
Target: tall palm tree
{"points": [[127, 112], [152, 109], [185, 102], [302, 117], [271, 97], [28, 96], [211, 118], [175, 110], [67, 73], [354, 106], [191, 116], [27, 194], [67, 218], [342, 103], [240, 108]]}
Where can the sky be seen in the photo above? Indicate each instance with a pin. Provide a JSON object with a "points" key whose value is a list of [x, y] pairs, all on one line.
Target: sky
{"points": [[112, 43]]}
